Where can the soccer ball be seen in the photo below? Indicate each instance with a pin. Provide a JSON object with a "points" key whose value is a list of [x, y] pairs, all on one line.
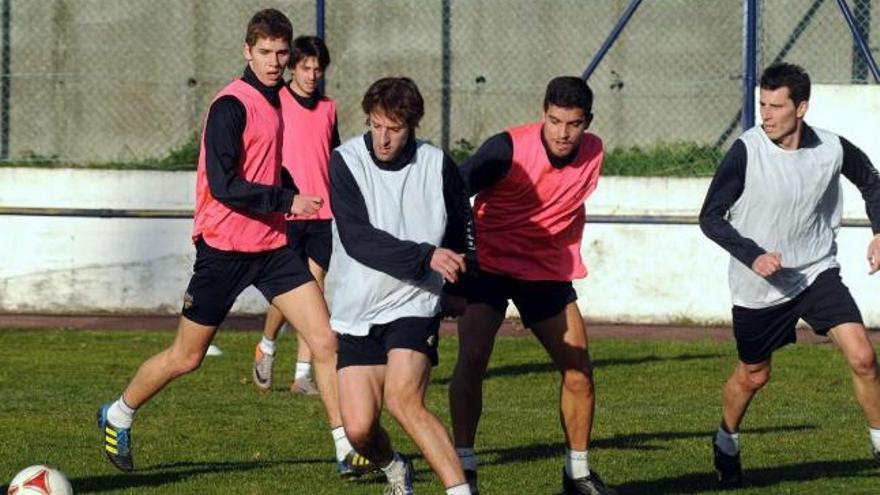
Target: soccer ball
{"points": [[39, 480]]}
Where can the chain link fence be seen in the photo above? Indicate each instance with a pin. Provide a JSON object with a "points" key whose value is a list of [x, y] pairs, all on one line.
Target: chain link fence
{"points": [[122, 80], [130, 80]]}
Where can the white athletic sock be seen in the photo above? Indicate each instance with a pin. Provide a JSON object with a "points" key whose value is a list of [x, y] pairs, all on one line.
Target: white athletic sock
{"points": [[576, 464], [468, 458], [343, 446], [875, 437], [302, 369], [120, 414], [727, 442], [396, 469], [267, 345], [462, 489]]}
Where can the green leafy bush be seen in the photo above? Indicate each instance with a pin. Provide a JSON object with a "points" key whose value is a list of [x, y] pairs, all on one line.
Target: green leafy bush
{"points": [[663, 160]]}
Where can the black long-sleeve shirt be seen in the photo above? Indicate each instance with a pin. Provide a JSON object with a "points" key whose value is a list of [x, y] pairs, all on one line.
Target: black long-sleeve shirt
{"points": [[729, 180], [492, 161], [224, 129], [376, 248]]}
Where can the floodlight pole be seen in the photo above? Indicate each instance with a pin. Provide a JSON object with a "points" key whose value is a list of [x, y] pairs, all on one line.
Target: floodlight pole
{"points": [[612, 37], [859, 39], [750, 62]]}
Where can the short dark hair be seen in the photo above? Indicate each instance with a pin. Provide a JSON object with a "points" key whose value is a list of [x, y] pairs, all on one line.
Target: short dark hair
{"points": [[399, 97], [268, 23], [569, 92], [309, 46], [791, 76]]}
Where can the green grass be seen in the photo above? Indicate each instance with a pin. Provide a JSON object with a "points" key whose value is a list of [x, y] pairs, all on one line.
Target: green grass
{"points": [[211, 432]]}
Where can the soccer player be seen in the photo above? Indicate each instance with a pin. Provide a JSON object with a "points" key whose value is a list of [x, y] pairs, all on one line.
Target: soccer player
{"points": [[310, 133], [531, 183], [775, 205], [401, 215], [240, 240]]}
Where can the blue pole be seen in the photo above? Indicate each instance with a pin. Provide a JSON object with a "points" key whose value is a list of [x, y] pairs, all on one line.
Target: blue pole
{"points": [[750, 62], [319, 19], [609, 41], [860, 40]]}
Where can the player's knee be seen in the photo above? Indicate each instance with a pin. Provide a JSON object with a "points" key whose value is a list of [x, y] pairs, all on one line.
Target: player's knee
{"points": [[864, 363], [359, 434], [182, 364], [404, 408], [323, 349], [473, 360], [577, 381], [756, 379]]}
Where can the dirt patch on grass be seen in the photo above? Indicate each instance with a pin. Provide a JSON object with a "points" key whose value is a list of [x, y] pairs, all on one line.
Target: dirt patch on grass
{"points": [[510, 328]]}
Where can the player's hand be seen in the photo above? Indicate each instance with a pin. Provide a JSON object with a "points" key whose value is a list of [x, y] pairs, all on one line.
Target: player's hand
{"points": [[767, 264], [452, 306], [306, 206], [447, 263], [874, 255]]}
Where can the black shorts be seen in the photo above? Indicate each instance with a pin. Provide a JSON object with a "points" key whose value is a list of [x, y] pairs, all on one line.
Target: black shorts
{"points": [[418, 334], [536, 300], [825, 304], [311, 239], [220, 276]]}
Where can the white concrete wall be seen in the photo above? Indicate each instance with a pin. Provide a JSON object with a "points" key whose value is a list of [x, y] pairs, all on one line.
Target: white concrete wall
{"points": [[638, 273]]}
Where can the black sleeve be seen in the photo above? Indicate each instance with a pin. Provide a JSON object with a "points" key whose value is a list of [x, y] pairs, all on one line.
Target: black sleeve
{"points": [[489, 164], [375, 248], [858, 169], [460, 233], [223, 149], [726, 188], [334, 139]]}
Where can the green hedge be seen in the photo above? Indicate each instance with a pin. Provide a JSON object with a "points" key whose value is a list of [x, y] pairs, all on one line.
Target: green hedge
{"points": [[681, 159], [663, 160]]}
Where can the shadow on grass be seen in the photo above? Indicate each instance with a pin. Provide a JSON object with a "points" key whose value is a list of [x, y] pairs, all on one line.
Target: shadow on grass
{"points": [[637, 441], [164, 474], [549, 367], [700, 482]]}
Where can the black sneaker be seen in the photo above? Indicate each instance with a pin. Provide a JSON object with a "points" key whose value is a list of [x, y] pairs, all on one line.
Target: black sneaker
{"points": [[728, 467], [471, 478], [117, 441], [873, 450], [354, 465], [588, 485]]}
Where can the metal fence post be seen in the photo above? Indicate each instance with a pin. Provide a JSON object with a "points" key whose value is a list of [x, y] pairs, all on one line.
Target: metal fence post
{"points": [[446, 76], [6, 73], [319, 19], [750, 62], [859, 39], [609, 41]]}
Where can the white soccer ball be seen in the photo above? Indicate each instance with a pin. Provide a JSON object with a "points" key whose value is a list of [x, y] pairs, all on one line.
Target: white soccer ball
{"points": [[39, 480]]}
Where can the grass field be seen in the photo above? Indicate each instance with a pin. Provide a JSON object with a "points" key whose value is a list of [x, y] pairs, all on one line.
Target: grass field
{"points": [[211, 432]]}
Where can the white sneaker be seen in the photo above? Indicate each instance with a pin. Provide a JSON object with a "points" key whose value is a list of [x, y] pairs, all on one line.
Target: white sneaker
{"points": [[303, 386], [401, 483], [262, 373]]}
